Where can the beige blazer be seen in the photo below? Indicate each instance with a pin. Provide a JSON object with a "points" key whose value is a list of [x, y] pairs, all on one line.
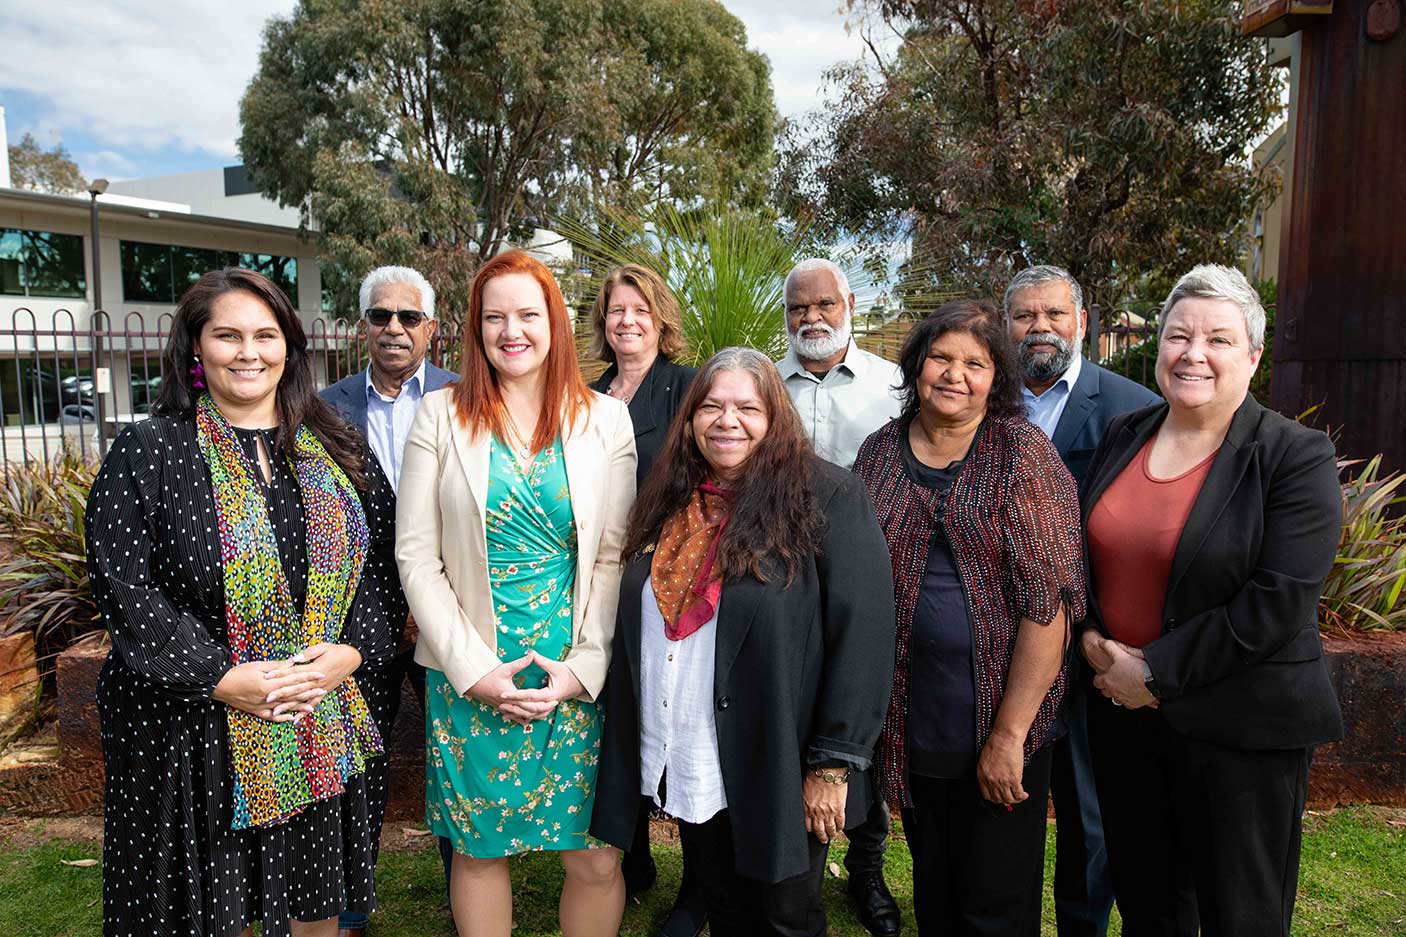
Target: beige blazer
{"points": [[443, 555]]}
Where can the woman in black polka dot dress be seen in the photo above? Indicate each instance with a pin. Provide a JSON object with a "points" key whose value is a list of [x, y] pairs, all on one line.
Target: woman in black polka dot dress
{"points": [[176, 860]]}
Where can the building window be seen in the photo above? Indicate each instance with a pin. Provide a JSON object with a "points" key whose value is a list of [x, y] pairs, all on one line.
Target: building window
{"points": [[161, 273], [41, 263]]}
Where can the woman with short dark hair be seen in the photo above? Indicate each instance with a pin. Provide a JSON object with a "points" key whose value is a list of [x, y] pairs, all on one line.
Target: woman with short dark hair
{"points": [[239, 545], [752, 651], [981, 521]]}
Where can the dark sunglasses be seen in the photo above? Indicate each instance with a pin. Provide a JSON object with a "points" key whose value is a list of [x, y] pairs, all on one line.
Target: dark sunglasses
{"points": [[381, 318]]}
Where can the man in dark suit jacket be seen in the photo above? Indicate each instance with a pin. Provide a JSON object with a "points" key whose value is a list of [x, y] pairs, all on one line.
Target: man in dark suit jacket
{"points": [[397, 312], [1073, 401]]}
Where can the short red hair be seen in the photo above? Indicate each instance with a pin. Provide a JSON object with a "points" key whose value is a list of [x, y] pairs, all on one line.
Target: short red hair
{"points": [[478, 402]]}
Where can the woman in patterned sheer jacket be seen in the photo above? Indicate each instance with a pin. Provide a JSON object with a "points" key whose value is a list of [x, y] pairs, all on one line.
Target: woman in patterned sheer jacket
{"points": [[982, 523]]}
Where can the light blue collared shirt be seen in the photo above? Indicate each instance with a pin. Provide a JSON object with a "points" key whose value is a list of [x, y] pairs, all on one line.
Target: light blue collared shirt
{"points": [[1046, 409], [388, 421]]}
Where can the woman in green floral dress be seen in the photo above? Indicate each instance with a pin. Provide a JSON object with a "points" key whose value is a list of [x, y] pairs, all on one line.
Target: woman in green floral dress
{"points": [[514, 493], [498, 787]]}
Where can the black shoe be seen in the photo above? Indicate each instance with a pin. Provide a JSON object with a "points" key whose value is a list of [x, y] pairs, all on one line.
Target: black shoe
{"points": [[688, 916], [877, 910]]}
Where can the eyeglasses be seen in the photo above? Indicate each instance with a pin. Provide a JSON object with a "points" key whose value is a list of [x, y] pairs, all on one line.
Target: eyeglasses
{"points": [[410, 318]]}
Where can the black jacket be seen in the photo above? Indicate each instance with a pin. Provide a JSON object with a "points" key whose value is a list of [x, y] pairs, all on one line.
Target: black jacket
{"points": [[802, 676], [1239, 662], [653, 406], [1095, 399]]}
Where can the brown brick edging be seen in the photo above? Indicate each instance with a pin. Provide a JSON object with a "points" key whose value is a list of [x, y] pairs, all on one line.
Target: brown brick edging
{"points": [[1368, 766]]}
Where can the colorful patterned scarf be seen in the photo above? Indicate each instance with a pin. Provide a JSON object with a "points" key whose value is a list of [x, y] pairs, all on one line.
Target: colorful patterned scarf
{"points": [[281, 767], [681, 572]]}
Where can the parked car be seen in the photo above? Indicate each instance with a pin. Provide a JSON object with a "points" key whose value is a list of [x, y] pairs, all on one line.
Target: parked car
{"points": [[75, 414]]}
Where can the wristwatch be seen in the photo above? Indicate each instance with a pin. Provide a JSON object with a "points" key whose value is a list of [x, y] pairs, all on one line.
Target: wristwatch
{"points": [[831, 775], [1148, 682]]}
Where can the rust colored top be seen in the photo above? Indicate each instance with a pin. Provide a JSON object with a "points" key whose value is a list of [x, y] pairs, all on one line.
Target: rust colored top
{"points": [[1133, 533]]}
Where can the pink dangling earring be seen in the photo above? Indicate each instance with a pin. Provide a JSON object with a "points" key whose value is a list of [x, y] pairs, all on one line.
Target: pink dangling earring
{"points": [[197, 374]]}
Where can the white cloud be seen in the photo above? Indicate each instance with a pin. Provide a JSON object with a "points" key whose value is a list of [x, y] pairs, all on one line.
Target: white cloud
{"points": [[126, 80], [142, 74], [802, 38]]}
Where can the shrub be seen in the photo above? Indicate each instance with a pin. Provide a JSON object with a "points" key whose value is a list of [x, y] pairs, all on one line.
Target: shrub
{"points": [[1364, 589], [44, 584]]}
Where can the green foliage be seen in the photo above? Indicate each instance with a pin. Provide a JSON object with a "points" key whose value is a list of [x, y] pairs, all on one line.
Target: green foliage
{"points": [[726, 269], [435, 132], [44, 584], [32, 167], [1105, 136], [1364, 589]]}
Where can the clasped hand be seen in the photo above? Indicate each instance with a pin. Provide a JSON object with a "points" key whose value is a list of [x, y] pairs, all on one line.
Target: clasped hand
{"points": [[520, 705], [287, 690], [1118, 670]]}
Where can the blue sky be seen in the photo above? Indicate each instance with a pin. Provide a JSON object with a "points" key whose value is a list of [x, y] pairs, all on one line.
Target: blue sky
{"points": [[144, 88]]}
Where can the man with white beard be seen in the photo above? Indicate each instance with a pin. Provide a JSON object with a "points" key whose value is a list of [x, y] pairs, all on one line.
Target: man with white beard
{"points": [[1073, 401], [397, 314], [843, 394]]}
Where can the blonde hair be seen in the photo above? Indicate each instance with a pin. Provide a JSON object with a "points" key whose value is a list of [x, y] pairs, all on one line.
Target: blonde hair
{"points": [[663, 309]]}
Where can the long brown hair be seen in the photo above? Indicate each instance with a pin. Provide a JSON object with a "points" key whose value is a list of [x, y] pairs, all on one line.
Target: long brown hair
{"points": [[775, 521], [663, 308], [478, 400], [297, 401]]}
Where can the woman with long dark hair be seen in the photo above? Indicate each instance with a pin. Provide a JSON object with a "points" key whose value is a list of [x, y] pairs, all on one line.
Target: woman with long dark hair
{"points": [[513, 498], [240, 551], [753, 647]]}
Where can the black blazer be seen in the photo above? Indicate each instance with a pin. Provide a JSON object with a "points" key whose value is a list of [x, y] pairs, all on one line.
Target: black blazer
{"points": [[1095, 399], [1240, 661], [802, 676], [653, 406]]}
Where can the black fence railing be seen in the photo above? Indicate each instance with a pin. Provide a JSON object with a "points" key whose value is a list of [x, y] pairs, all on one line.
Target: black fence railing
{"points": [[64, 387], [68, 388]]}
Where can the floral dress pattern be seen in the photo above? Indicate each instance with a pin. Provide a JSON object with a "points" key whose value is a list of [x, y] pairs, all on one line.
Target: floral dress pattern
{"points": [[496, 788]]}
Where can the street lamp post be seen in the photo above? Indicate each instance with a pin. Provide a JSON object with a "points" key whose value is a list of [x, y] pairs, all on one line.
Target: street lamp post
{"points": [[98, 187]]}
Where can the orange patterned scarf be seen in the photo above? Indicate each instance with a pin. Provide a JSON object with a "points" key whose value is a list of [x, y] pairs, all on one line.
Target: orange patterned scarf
{"points": [[685, 584]]}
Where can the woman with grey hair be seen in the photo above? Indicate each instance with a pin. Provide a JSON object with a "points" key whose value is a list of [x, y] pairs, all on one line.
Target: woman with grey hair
{"points": [[1210, 525], [752, 651]]}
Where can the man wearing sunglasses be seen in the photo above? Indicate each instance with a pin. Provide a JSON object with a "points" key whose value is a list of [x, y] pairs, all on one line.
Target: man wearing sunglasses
{"points": [[397, 314]]}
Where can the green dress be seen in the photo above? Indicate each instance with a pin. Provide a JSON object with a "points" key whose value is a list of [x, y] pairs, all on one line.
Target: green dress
{"points": [[496, 788]]}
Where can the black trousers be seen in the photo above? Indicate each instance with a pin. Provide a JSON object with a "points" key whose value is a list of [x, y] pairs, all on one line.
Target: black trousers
{"points": [[978, 868], [744, 907], [1083, 891], [1199, 835], [868, 838]]}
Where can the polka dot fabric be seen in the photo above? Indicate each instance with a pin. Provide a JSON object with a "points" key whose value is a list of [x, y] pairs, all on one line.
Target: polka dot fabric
{"points": [[279, 768], [172, 861]]}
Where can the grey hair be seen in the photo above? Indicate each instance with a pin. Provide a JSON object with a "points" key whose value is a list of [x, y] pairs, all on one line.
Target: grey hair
{"points": [[385, 276], [1213, 281], [1042, 273], [738, 358], [819, 263]]}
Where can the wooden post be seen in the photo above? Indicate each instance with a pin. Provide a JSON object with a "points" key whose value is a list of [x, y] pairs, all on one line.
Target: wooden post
{"points": [[1340, 329]]}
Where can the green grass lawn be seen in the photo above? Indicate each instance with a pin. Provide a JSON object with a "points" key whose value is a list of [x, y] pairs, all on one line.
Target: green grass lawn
{"points": [[1353, 882]]}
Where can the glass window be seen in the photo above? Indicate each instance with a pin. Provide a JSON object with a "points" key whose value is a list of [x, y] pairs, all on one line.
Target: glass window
{"points": [[146, 273], [161, 273], [41, 263]]}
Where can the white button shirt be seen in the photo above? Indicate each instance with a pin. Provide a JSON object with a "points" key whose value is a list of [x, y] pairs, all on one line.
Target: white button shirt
{"points": [[677, 728], [857, 397], [388, 421]]}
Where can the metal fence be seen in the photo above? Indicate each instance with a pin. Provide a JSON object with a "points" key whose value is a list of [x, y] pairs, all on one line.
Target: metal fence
{"points": [[64, 388]]}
